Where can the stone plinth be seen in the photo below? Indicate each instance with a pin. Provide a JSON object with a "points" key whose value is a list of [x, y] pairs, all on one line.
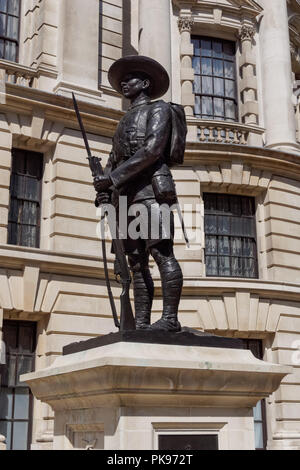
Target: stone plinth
{"points": [[124, 395]]}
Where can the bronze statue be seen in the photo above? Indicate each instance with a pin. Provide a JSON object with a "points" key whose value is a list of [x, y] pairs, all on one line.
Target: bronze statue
{"points": [[138, 168]]}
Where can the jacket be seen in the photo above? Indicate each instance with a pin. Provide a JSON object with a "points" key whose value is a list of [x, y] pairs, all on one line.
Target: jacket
{"points": [[140, 149]]}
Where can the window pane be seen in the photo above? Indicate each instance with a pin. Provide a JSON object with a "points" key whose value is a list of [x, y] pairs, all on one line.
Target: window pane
{"points": [[211, 224], [29, 215], [3, 5], [206, 48], [218, 68], [211, 245], [12, 27], [257, 413], [11, 370], [224, 266], [21, 408], [6, 401], [2, 25], [2, 45], [197, 84], [249, 268], [224, 245], [212, 266], [258, 431], [29, 236], [11, 51], [32, 189], [218, 87], [206, 66], [26, 339], [236, 246], [237, 267], [197, 105], [230, 109], [207, 106], [210, 202], [13, 7], [207, 87], [230, 88], [248, 247], [223, 203], [223, 225], [218, 49], [196, 65], [20, 435], [235, 205], [196, 44], [229, 68], [25, 365], [229, 50], [218, 107], [5, 430]]}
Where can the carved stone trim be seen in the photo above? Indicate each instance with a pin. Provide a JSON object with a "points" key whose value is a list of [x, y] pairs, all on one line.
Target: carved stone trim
{"points": [[185, 24], [246, 33]]}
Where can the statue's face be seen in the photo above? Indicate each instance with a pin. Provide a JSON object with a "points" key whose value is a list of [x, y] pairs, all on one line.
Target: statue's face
{"points": [[132, 86]]}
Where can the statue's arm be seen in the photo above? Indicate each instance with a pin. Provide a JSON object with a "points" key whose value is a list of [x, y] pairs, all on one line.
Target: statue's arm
{"points": [[156, 140]]}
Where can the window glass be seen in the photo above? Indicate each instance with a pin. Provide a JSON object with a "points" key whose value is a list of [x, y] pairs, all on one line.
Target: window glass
{"points": [[215, 79], [230, 235], [15, 398], [25, 199], [9, 29]]}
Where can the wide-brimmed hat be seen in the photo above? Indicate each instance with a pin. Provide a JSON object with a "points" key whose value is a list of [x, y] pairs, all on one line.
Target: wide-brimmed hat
{"points": [[138, 63]]}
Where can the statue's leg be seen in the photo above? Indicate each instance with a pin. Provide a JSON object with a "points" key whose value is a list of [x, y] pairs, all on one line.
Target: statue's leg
{"points": [[143, 289], [172, 281]]}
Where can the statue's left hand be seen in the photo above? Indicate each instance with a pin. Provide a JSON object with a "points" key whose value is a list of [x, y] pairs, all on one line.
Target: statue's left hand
{"points": [[102, 183]]}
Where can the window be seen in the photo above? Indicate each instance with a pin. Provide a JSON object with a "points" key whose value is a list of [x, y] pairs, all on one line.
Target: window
{"points": [[259, 412], [15, 397], [230, 236], [9, 29], [25, 199], [215, 79], [100, 43]]}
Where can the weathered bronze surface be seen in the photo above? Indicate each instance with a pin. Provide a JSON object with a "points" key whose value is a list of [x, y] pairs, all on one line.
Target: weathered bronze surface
{"points": [[138, 168]]}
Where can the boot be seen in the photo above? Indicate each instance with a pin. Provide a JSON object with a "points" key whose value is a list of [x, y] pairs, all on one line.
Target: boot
{"points": [[143, 289], [172, 281]]}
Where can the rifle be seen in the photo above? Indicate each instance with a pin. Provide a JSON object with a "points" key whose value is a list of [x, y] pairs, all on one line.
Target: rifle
{"points": [[127, 321]]}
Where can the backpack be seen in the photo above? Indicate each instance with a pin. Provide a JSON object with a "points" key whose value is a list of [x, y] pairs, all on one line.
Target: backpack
{"points": [[178, 137]]}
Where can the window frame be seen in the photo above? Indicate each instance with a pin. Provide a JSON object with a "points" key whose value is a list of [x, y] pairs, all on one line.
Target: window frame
{"points": [[230, 235], [256, 347], [8, 39], [12, 420], [213, 96], [39, 202]]}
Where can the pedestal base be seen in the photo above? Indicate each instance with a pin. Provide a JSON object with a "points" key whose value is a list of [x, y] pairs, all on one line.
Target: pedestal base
{"points": [[125, 395]]}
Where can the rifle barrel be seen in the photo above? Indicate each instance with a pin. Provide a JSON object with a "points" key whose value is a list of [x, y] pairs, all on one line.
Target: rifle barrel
{"points": [[87, 146]]}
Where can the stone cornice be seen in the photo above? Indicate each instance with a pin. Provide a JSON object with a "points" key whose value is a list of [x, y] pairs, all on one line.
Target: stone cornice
{"points": [[97, 118], [278, 162]]}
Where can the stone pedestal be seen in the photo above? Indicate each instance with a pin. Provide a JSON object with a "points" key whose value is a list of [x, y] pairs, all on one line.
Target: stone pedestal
{"points": [[124, 395]]}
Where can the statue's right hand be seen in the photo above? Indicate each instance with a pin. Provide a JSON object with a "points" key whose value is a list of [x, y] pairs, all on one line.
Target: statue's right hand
{"points": [[102, 198]]}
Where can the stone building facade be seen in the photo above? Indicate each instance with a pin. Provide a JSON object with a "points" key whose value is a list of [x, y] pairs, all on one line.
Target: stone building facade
{"points": [[235, 67]]}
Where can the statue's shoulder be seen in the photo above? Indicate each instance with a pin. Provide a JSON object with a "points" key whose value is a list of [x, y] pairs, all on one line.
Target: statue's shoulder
{"points": [[160, 105]]}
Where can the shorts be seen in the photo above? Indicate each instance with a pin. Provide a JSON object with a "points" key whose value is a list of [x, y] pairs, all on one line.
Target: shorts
{"points": [[148, 224]]}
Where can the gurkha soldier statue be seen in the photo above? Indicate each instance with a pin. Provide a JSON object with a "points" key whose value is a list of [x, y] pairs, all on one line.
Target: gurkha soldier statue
{"points": [[138, 168]]}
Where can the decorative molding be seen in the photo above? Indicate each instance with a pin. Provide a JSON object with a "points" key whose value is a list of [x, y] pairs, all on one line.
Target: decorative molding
{"points": [[246, 33], [185, 24]]}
